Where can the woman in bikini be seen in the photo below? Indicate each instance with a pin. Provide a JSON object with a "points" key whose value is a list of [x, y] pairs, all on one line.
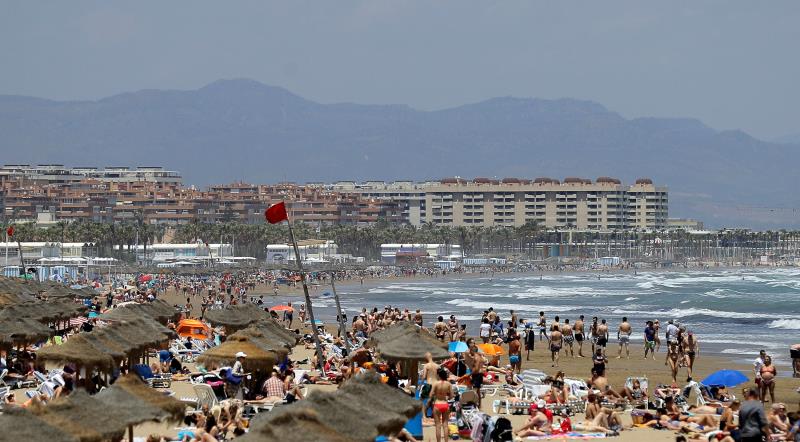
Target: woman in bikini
{"points": [[441, 393], [768, 374]]}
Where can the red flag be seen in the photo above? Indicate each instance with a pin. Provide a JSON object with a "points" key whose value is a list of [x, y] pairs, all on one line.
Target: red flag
{"points": [[10, 231], [276, 213]]}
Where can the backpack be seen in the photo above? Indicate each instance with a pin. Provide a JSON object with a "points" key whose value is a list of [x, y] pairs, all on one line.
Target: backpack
{"points": [[503, 432]]}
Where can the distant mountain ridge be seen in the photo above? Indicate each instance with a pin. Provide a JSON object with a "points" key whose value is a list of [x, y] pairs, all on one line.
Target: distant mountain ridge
{"points": [[244, 130]]}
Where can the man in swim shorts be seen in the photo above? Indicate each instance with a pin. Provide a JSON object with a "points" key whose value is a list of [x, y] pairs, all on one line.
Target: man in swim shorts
{"points": [[530, 338], [476, 366], [569, 338], [514, 354], [579, 335], [556, 342], [602, 336], [593, 333], [624, 338], [650, 340], [542, 326]]}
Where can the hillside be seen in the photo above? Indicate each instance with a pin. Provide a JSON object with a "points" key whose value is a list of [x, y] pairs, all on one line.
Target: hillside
{"points": [[244, 130]]}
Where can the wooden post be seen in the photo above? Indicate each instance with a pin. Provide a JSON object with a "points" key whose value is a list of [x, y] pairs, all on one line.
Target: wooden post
{"points": [[342, 329], [309, 308]]}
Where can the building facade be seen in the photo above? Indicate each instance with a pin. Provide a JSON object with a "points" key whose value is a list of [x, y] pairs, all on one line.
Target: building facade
{"points": [[575, 203]]}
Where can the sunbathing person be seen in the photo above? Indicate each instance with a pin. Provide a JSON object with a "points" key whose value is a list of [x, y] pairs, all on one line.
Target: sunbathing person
{"points": [[635, 392], [604, 420], [537, 424]]}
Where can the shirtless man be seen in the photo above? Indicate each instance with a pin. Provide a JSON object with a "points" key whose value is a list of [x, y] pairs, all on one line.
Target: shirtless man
{"points": [[579, 335], [593, 333], [491, 315], [657, 326], [569, 338], [360, 327], [440, 329], [476, 366], [514, 350], [429, 373], [602, 336], [556, 342], [514, 319], [542, 326], [418, 318], [624, 338]]}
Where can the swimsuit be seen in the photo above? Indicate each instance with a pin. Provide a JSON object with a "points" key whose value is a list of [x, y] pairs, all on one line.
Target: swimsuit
{"points": [[514, 359], [624, 339], [555, 348], [650, 344], [441, 406], [602, 341], [477, 380], [569, 339], [579, 337]]}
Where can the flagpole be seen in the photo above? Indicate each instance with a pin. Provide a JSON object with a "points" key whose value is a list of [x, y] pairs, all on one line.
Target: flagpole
{"points": [[309, 309]]}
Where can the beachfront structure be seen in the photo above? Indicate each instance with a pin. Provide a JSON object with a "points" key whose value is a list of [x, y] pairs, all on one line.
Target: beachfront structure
{"points": [[311, 251], [59, 174], [189, 252], [392, 254], [576, 203], [690, 225]]}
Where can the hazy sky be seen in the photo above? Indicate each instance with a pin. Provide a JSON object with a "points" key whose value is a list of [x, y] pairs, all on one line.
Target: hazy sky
{"points": [[732, 64]]}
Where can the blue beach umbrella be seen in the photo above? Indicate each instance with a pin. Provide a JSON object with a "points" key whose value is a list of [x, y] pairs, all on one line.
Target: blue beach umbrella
{"points": [[457, 347], [726, 378]]}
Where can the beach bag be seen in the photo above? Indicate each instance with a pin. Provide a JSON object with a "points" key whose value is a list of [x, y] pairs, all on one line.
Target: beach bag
{"points": [[232, 378], [502, 432]]}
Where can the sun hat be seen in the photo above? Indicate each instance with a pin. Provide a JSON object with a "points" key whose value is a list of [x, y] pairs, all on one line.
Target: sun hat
{"points": [[241, 354]]}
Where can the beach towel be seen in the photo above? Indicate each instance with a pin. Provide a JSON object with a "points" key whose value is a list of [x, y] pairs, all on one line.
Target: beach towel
{"points": [[572, 435]]}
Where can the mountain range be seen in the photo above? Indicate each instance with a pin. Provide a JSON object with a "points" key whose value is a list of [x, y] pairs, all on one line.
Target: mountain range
{"points": [[243, 130]]}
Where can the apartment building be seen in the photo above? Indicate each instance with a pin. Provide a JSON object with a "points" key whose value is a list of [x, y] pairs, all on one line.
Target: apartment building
{"points": [[603, 204], [59, 174]]}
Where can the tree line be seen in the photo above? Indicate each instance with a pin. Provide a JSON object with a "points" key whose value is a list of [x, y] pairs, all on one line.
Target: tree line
{"points": [[116, 240]]}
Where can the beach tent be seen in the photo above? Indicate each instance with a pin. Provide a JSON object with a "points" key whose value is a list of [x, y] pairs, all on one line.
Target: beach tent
{"points": [[193, 328]]}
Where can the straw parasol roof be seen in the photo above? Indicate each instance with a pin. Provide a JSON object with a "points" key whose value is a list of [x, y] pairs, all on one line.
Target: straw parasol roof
{"points": [[298, 425], [132, 392], [76, 350], [225, 354], [85, 417], [405, 341], [43, 311], [236, 317], [22, 331], [359, 412], [267, 342], [271, 327], [21, 424]]}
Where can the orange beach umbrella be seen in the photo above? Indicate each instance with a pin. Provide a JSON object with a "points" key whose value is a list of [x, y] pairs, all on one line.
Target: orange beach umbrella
{"points": [[491, 349]]}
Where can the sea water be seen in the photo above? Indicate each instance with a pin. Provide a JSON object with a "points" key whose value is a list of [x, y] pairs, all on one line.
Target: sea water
{"points": [[733, 312]]}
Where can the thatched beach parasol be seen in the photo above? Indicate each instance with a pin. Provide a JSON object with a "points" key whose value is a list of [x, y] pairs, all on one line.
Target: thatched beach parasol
{"points": [[76, 350], [130, 388], [271, 327], [225, 354], [362, 412], [295, 425], [235, 317], [402, 342], [19, 424], [22, 331]]}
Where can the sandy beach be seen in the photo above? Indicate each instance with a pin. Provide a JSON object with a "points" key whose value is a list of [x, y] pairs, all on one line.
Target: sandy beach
{"points": [[618, 369]]}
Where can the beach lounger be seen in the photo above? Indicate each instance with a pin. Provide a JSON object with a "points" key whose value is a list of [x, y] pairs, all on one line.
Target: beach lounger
{"points": [[3, 375], [205, 395], [4, 391], [577, 388], [162, 380]]}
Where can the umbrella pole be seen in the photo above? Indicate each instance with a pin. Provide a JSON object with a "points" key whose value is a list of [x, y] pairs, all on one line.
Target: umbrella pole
{"points": [[309, 308], [342, 332], [130, 433]]}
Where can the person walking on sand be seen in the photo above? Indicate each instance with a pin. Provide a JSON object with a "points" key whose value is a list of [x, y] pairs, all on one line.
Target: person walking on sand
{"points": [[441, 394], [514, 350], [602, 336], [657, 327], [649, 340], [593, 333], [569, 338], [624, 338], [477, 369], [692, 347], [556, 342], [542, 327], [580, 336], [530, 339]]}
